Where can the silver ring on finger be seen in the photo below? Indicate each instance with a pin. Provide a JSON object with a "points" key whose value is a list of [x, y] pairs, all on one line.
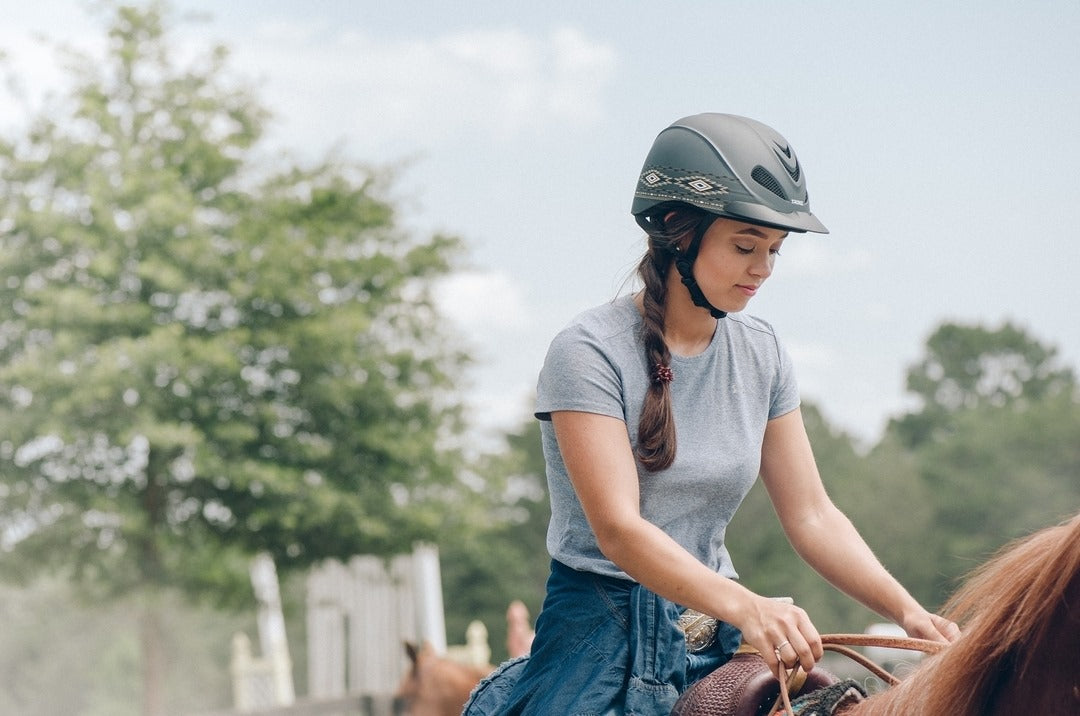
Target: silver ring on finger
{"points": [[780, 647]]}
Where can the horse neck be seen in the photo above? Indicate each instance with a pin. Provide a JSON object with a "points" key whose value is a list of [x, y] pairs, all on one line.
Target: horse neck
{"points": [[454, 676], [1018, 653], [1045, 684]]}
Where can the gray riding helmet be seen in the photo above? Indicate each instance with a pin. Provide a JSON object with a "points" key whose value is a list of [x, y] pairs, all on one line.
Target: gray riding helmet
{"points": [[727, 165]]}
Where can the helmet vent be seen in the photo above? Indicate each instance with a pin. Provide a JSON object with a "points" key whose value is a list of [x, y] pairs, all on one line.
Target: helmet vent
{"points": [[765, 178]]}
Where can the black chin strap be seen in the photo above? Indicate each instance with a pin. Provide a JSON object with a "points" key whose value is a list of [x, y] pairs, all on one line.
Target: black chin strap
{"points": [[684, 262]]}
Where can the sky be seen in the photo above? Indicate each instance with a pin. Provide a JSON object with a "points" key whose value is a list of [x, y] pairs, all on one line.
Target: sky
{"points": [[939, 142]]}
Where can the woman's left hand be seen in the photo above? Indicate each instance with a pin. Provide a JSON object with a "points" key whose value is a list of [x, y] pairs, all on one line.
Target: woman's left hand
{"points": [[925, 625]]}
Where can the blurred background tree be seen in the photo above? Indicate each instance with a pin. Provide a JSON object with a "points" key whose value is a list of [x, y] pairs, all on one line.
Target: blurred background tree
{"points": [[499, 551], [204, 355], [994, 441], [968, 368], [61, 655]]}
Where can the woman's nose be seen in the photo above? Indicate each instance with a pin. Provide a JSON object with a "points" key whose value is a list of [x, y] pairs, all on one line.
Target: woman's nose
{"points": [[762, 266]]}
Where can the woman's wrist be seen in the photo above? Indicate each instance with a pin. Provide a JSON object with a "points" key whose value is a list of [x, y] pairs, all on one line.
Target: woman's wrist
{"points": [[730, 602], [912, 616]]}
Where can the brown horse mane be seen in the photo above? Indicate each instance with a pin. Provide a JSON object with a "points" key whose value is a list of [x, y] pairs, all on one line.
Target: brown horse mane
{"points": [[1020, 619]]}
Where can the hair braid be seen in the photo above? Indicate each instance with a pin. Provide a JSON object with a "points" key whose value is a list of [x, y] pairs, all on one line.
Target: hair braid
{"points": [[656, 445], [656, 427]]}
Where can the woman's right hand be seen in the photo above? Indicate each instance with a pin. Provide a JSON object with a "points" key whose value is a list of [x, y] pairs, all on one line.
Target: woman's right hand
{"points": [[781, 631]]}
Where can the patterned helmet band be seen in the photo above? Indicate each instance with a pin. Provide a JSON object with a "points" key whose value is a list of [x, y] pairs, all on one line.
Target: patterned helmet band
{"points": [[669, 184]]}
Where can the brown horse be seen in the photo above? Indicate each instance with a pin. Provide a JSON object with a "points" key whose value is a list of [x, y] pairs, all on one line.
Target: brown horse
{"points": [[437, 686], [1018, 653]]}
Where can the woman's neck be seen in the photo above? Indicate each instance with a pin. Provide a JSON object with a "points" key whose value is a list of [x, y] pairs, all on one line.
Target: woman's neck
{"points": [[688, 329]]}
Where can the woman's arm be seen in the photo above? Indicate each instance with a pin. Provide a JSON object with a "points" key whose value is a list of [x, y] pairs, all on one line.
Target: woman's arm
{"points": [[600, 462], [825, 537]]}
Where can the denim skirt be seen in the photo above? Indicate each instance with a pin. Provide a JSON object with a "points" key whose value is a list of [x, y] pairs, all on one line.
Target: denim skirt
{"points": [[603, 646]]}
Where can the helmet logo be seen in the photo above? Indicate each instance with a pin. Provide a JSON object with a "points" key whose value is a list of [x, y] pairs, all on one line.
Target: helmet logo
{"points": [[786, 156]]}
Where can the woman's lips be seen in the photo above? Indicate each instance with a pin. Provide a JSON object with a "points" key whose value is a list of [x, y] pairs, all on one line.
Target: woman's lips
{"points": [[748, 290]]}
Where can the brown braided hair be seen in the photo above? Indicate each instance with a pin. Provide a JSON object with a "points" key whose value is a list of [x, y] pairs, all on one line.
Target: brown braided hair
{"points": [[656, 427]]}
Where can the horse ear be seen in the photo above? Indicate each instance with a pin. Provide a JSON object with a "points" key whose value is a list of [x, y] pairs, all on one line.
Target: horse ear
{"points": [[412, 652]]}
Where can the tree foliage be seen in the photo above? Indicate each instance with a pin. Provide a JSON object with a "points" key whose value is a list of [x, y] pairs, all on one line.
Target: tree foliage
{"points": [[498, 551], [1001, 474], [973, 367], [994, 441], [203, 353]]}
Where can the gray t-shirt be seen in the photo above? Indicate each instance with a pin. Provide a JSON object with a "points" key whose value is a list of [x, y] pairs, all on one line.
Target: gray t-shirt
{"points": [[721, 398]]}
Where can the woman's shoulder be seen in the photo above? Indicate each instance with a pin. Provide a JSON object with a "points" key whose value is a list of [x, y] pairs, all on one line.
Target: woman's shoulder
{"points": [[605, 321], [751, 325], [756, 339]]}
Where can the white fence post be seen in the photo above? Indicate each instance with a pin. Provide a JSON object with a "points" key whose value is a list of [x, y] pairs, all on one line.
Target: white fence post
{"points": [[272, 640], [429, 598], [265, 680]]}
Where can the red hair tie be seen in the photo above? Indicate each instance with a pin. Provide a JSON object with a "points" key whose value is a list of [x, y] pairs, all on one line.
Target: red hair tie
{"points": [[662, 374]]}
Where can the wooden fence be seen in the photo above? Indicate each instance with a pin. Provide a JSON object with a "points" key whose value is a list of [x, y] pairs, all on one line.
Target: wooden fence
{"points": [[359, 615], [356, 705]]}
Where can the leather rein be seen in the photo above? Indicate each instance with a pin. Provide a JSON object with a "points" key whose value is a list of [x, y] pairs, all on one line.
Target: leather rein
{"points": [[842, 644]]}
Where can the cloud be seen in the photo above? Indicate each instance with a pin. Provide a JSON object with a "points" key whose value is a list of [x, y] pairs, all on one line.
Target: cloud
{"points": [[387, 97], [420, 91], [31, 67], [813, 358], [494, 410], [816, 257], [481, 301]]}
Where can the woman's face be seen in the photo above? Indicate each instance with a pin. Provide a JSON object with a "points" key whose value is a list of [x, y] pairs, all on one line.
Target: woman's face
{"points": [[734, 260]]}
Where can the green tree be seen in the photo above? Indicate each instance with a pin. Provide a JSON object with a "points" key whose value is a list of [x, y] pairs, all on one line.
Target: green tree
{"points": [[499, 539], [974, 367], [993, 443], [1001, 474], [204, 355], [896, 513]]}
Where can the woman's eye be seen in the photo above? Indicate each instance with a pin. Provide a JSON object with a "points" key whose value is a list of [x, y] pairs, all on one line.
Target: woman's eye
{"points": [[744, 250], [774, 252]]}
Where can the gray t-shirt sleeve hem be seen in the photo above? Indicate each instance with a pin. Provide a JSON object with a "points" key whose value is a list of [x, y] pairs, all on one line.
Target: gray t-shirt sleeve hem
{"points": [[579, 376]]}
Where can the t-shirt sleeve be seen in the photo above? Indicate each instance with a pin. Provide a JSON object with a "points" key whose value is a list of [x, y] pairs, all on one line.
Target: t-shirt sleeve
{"points": [[578, 375], [785, 393]]}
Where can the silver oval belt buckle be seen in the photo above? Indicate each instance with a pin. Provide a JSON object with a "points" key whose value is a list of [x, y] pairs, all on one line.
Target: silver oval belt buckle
{"points": [[699, 630]]}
